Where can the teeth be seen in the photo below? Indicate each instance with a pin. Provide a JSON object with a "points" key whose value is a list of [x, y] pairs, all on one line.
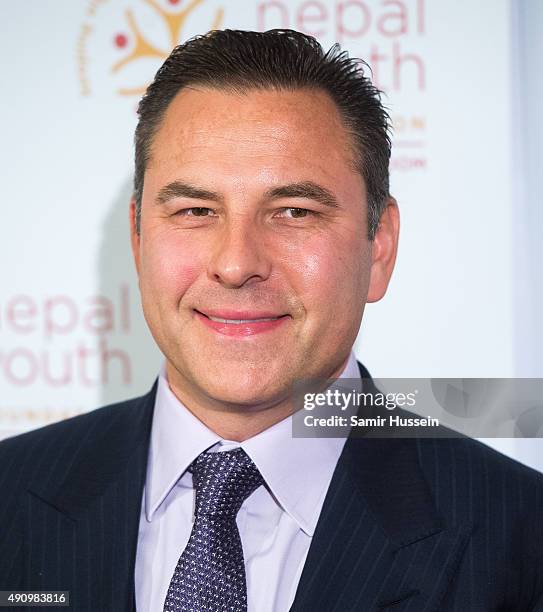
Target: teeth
{"points": [[238, 321]]}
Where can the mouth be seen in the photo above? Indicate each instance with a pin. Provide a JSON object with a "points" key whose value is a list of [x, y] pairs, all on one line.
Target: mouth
{"points": [[240, 323]]}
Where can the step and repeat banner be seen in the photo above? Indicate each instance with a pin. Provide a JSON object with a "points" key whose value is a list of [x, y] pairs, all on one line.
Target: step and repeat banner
{"points": [[72, 336]]}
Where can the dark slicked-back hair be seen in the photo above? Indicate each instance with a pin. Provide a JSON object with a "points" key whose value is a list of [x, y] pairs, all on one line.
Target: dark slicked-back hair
{"points": [[238, 61]]}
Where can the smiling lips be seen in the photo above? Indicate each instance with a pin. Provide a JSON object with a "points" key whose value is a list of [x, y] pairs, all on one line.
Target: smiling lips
{"points": [[240, 323]]}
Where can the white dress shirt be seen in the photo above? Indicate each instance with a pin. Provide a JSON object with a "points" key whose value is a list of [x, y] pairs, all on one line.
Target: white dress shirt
{"points": [[276, 522]]}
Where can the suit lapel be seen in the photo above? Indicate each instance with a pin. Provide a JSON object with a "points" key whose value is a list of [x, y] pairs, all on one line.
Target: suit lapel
{"points": [[83, 533], [379, 543]]}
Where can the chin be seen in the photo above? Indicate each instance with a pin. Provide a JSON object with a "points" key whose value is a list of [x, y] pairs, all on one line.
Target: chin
{"points": [[249, 389]]}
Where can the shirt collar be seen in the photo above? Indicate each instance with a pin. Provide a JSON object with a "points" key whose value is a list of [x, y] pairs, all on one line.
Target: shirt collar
{"points": [[178, 437]]}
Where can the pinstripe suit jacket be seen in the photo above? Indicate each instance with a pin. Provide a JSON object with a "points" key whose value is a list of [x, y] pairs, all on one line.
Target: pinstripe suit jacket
{"points": [[407, 525]]}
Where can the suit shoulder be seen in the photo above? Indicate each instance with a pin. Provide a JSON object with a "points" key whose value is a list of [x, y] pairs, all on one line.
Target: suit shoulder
{"points": [[39, 452], [477, 472], [468, 451], [496, 460], [74, 426]]}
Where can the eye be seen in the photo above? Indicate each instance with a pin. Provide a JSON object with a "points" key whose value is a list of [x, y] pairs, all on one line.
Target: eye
{"points": [[296, 213], [195, 211]]}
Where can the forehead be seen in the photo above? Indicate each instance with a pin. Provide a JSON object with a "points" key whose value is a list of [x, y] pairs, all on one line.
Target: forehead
{"points": [[301, 127]]}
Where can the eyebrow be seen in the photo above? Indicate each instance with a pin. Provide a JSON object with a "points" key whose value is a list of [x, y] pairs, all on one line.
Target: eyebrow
{"points": [[304, 189], [179, 189]]}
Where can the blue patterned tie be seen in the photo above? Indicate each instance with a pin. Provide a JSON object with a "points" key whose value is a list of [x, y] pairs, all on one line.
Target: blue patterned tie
{"points": [[210, 574]]}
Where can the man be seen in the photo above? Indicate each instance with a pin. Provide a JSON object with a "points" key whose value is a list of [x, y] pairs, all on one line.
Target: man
{"points": [[261, 225]]}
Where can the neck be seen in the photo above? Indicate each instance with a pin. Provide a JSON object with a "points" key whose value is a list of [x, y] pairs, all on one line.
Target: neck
{"points": [[236, 425]]}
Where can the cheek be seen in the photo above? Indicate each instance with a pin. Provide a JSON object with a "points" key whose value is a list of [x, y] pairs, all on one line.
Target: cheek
{"points": [[169, 266], [329, 269], [330, 260]]}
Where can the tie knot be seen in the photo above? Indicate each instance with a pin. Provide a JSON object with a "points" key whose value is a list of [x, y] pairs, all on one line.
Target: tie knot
{"points": [[223, 481]]}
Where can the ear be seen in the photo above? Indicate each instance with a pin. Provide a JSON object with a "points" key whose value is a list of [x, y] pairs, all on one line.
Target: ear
{"points": [[384, 249], [134, 236]]}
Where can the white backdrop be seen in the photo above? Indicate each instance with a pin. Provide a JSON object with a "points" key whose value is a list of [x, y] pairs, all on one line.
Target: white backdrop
{"points": [[72, 336]]}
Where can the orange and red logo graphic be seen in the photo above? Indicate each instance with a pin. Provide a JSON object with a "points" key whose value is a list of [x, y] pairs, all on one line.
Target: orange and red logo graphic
{"points": [[124, 42]]}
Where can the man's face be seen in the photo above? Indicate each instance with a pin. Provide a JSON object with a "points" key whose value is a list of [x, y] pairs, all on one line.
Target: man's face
{"points": [[252, 210]]}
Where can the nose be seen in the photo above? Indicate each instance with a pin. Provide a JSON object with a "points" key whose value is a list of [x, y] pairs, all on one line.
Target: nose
{"points": [[239, 257]]}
